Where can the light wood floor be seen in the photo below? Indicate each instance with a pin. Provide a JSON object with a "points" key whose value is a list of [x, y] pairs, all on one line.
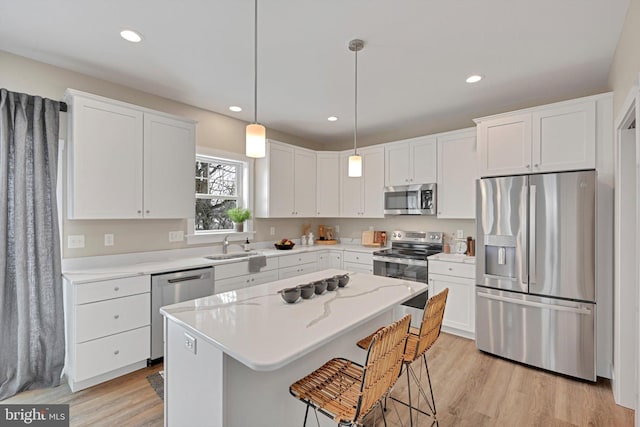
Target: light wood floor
{"points": [[471, 389]]}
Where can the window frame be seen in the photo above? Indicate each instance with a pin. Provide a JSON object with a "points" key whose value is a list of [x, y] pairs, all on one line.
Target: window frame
{"points": [[244, 197]]}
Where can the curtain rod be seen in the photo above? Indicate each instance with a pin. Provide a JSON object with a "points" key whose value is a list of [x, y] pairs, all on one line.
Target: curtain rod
{"points": [[62, 106]]}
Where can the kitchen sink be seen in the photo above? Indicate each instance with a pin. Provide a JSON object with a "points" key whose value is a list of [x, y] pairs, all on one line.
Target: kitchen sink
{"points": [[219, 257]]}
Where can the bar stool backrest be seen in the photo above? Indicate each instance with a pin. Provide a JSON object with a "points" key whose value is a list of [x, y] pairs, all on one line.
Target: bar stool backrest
{"points": [[383, 364], [431, 322]]}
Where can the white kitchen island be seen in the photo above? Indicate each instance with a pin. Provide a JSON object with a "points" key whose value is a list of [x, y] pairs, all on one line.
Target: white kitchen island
{"points": [[230, 358]]}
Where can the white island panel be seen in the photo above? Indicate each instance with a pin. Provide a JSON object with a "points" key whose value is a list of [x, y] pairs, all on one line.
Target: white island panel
{"points": [[251, 345]]}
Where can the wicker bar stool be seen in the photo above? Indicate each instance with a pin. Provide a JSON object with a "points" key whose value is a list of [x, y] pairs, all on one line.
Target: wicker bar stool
{"points": [[419, 341], [346, 391]]}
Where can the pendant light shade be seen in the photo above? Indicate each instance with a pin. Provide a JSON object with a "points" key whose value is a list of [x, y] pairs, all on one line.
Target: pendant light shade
{"points": [[256, 140], [256, 134], [355, 165], [355, 161]]}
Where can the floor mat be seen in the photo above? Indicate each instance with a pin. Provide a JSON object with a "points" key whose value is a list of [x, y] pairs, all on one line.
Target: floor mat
{"points": [[157, 382]]}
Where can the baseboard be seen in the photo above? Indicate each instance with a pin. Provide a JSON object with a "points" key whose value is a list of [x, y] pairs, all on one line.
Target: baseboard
{"points": [[90, 382]]}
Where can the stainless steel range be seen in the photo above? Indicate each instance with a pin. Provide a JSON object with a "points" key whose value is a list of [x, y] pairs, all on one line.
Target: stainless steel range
{"points": [[407, 259]]}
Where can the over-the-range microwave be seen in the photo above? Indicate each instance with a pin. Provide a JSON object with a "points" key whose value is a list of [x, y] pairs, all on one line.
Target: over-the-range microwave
{"points": [[417, 199]]}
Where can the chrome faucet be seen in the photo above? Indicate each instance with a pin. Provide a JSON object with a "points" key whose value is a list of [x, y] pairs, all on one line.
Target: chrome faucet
{"points": [[225, 245]]}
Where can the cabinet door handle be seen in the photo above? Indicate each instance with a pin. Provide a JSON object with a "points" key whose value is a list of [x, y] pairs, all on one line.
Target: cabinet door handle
{"points": [[116, 352], [535, 166], [528, 166], [147, 211], [139, 212], [116, 289], [117, 316]]}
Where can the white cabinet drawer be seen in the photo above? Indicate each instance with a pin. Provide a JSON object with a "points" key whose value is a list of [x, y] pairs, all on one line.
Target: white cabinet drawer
{"points": [[109, 317], [241, 268], [296, 270], [116, 288], [452, 269], [107, 354], [358, 257], [297, 259], [233, 283]]}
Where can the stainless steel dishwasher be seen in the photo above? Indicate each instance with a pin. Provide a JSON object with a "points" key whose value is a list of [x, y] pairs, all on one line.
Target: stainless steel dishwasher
{"points": [[171, 288]]}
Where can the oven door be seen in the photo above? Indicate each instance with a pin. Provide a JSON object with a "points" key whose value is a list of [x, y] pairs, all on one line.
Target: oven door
{"points": [[406, 269]]}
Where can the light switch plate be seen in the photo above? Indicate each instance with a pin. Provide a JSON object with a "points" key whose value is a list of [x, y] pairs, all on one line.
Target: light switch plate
{"points": [[108, 239], [459, 234], [272, 231], [76, 241]]}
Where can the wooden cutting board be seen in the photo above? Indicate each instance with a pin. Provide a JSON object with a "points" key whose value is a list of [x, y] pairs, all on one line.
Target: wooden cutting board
{"points": [[369, 239]]}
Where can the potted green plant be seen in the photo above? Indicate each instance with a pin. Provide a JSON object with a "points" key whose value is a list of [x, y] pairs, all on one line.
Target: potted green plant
{"points": [[239, 216]]}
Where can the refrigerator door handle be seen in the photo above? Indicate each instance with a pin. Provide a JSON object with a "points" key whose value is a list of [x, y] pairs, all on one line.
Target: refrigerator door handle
{"points": [[577, 310], [495, 277], [532, 235]]}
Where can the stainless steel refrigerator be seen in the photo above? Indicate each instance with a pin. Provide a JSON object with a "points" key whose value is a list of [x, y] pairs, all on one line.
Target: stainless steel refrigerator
{"points": [[535, 270]]}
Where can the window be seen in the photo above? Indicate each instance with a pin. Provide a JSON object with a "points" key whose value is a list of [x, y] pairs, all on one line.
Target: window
{"points": [[219, 187]]}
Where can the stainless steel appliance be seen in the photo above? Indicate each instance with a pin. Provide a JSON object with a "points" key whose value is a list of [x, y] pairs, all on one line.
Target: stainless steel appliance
{"points": [[407, 259], [535, 270], [410, 200], [171, 288]]}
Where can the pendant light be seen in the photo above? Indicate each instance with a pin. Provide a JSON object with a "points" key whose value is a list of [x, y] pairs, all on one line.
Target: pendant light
{"points": [[355, 161], [256, 140]]}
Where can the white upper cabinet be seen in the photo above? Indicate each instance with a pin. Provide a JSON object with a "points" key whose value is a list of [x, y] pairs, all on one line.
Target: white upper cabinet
{"points": [[328, 184], [564, 137], [457, 173], [286, 182], [363, 196], [127, 162], [550, 138], [411, 161], [504, 145], [168, 143]]}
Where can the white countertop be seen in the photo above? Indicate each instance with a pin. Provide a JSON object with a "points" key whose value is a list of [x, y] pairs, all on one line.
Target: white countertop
{"points": [[453, 258], [138, 264], [257, 328]]}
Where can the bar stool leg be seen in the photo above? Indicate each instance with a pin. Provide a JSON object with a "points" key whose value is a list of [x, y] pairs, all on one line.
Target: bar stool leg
{"points": [[433, 402], [409, 391], [306, 413]]}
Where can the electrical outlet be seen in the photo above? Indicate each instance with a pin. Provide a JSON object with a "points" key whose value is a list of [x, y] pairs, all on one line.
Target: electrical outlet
{"points": [[176, 236], [108, 239], [190, 343], [75, 242], [371, 228], [337, 227], [272, 231], [459, 234]]}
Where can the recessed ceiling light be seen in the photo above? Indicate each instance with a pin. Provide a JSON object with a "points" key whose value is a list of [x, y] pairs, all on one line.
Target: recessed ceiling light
{"points": [[474, 78], [235, 108], [332, 118], [131, 36]]}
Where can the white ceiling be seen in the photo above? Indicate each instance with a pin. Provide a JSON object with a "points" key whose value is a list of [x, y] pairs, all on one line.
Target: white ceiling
{"points": [[411, 72]]}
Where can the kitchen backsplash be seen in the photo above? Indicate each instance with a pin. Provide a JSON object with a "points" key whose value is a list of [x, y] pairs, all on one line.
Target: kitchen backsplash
{"points": [[152, 235]]}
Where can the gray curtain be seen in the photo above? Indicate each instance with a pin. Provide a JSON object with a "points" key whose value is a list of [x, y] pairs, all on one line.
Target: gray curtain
{"points": [[31, 310]]}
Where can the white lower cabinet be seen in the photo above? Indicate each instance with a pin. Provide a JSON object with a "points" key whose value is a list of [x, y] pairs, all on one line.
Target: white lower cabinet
{"points": [[107, 329], [359, 262], [460, 310], [236, 275], [245, 281], [297, 264], [329, 259]]}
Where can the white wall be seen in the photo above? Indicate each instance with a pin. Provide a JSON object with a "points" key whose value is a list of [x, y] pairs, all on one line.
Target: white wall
{"points": [[214, 130]]}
